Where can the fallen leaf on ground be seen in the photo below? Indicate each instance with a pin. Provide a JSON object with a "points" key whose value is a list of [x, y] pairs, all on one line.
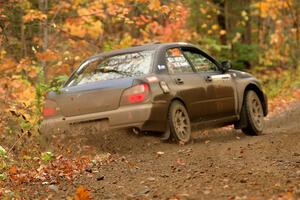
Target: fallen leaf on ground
{"points": [[82, 193], [179, 161], [13, 170], [159, 154]]}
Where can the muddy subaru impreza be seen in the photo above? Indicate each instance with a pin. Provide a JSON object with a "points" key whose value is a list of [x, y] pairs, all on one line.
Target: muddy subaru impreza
{"points": [[167, 88]]}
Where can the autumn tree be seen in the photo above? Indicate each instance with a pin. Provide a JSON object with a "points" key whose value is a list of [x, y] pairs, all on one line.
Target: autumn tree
{"points": [[41, 40]]}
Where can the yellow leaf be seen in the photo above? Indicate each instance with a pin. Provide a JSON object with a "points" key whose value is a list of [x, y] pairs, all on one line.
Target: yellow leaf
{"points": [[244, 13], [154, 4], [203, 10], [95, 30], [125, 42], [204, 26], [83, 12], [75, 28], [165, 9], [215, 27], [33, 72], [222, 32]]}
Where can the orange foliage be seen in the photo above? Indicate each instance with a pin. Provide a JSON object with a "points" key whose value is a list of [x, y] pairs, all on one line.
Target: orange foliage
{"points": [[48, 55], [7, 64], [272, 8], [13, 170], [154, 4], [32, 15], [82, 193], [297, 94], [175, 27]]}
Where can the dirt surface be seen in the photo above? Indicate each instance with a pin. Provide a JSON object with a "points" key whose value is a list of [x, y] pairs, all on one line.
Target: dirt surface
{"points": [[219, 164]]}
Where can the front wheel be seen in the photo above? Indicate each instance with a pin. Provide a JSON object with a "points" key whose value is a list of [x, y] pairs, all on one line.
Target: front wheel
{"points": [[254, 114], [179, 122]]}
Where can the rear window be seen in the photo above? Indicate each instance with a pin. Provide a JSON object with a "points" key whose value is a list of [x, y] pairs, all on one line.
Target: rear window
{"points": [[114, 67]]}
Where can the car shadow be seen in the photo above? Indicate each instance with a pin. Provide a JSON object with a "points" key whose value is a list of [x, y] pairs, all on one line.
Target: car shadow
{"points": [[121, 141], [219, 135], [126, 142]]}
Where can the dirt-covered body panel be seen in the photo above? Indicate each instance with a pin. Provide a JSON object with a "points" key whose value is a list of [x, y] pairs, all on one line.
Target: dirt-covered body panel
{"points": [[139, 98]]}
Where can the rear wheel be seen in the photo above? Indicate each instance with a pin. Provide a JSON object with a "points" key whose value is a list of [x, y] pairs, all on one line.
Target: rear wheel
{"points": [[254, 114], [179, 122]]}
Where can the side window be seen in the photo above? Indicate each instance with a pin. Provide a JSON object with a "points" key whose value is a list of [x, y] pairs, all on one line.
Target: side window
{"points": [[201, 63], [176, 62]]}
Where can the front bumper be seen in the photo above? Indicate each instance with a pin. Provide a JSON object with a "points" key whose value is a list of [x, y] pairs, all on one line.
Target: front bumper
{"points": [[132, 116]]}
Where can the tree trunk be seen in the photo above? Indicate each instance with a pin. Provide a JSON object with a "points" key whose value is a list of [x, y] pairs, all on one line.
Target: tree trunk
{"points": [[43, 5], [247, 35], [221, 18], [23, 40], [222, 22], [297, 24]]}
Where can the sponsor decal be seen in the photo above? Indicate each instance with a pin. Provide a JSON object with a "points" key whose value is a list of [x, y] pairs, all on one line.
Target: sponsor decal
{"points": [[152, 79], [161, 67]]}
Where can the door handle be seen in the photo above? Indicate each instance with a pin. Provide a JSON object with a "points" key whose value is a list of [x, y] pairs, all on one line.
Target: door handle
{"points": [[179, 81], [208, 79]]}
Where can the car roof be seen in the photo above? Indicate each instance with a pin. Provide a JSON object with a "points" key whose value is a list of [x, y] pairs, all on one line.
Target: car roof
{"points": [[156, 46], [145, 47]]}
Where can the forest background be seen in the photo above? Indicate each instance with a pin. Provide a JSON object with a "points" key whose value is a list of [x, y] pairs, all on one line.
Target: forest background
{"points": [[43, 41]]}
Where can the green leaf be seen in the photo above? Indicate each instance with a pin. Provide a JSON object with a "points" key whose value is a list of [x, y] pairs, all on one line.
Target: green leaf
{"points": [[47, 156], [2, 151], [3, 176]]}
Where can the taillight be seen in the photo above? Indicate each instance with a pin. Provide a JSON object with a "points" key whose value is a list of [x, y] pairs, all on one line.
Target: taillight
{"points": [[48, 112], [135, 94], [50, 108]]}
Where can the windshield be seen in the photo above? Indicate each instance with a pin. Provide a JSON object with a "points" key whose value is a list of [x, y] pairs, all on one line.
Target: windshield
{"points": [[114, 67]]}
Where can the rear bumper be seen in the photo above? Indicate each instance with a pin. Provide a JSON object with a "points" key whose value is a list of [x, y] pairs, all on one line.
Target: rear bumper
{"points": [[123, 117]]}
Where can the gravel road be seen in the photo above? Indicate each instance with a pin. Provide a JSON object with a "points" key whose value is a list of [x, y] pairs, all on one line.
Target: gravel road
{"points": [[219, 164]]}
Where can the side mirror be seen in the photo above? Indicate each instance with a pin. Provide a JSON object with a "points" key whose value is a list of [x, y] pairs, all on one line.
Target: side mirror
{"points": [[226, 65]]}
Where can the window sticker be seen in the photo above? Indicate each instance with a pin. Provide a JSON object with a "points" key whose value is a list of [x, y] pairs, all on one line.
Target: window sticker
{"points": [[176, 62], [161, 67], [174, 52]]}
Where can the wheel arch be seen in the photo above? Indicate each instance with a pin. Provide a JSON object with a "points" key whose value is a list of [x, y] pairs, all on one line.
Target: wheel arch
{"points": [[180, 100], [254, 87], [176, 98]]}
